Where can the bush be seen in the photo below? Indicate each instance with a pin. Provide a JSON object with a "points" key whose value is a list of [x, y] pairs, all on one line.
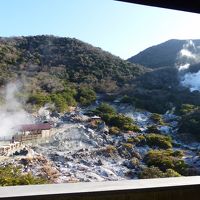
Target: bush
{"points": [[39, 99], [165, 159], [131, 127], [127, 146], [187, 108], [153, 129], [155, 172], [154, 140], [160, 141], [171, 173], [156, 118], [127, 99], [105, 108], [111, 149], [114, 130], [86, 96], [122, 122], [190, 125], [151, 172], [11, 175], [60, 102], [140, 139], [111, 118]]}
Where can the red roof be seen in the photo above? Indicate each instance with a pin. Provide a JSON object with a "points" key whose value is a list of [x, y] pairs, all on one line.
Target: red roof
{"points": [[34, 127]]}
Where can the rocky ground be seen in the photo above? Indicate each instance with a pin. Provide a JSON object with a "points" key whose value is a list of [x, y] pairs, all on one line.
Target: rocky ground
{"points": [[80, 151]]}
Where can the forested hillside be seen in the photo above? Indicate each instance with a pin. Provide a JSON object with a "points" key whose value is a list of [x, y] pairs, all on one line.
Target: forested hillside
{"points": [[54, 59]]}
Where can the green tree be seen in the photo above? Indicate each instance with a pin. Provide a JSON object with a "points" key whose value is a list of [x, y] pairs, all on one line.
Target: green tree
{"points": [[86, 96]]}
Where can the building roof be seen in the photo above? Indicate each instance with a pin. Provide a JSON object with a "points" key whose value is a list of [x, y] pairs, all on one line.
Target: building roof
{"points": [[34, 127]]}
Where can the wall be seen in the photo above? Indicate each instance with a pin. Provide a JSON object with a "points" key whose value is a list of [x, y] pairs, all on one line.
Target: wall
{"points": [[181, 188]]}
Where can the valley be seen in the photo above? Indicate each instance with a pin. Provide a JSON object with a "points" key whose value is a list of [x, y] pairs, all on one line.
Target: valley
{"points": [[81, 114]]}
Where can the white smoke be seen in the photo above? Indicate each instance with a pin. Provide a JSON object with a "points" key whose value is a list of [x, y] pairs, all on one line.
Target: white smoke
{"points": [[186, 53], [12, 113], [188, 56], [192, 81], [45, 111]]}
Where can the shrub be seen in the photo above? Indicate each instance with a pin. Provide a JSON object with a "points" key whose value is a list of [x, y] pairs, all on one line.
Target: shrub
{"points": [[131, 127], [105, 108], [122, 122], [130, 140], [127, 146], [156, 118], [151, 172], [171, 173], [165, 159], [153, 129], [86, 96], [126, 99], [156, 140], [39, 99], [11, 175], [187, 108], [155, 172], [60, 102], [140, 139], [111, 118], [111, 149], [114, 130], [190, 125]]}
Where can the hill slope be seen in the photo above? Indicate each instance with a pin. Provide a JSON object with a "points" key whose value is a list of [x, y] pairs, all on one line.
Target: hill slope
{"points": [[64, 58], [162, 55]]}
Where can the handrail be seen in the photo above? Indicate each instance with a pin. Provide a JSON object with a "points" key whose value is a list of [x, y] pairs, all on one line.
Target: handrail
{"points": [[178, 185]]}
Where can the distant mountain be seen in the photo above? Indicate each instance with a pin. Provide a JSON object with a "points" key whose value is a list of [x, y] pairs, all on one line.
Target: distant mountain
{"points": [[161, 55]]}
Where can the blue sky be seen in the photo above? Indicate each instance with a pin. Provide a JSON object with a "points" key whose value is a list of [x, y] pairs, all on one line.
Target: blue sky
{"points": [[121, 28]]}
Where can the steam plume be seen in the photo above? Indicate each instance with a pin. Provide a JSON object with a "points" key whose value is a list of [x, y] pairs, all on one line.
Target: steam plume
{"points": [[12, 113], [188, 56]]}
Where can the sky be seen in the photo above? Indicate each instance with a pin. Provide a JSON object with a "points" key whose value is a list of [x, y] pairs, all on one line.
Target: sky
{"points": [[123, 29]]}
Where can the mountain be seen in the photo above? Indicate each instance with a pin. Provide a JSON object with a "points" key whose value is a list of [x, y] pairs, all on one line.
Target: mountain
{"points": [[65, 70], [62, 58], [161, 55]]}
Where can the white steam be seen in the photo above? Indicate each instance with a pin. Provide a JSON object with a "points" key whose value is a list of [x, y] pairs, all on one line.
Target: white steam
{"points": [[11, 112], [192, 81], [186, 53], [188, 56]]}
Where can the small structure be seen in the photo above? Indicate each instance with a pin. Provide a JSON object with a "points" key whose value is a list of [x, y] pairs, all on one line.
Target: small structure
{"points": [[94, 121], [33, 131]]}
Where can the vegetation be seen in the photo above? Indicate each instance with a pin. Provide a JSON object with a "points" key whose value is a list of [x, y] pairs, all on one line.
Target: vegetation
{"points": [[46, 64], [157, 140], [111, 118], [105, 108], [154, 140], [189, 125], [86, 96], [187, 108], [10, 175], [166, 159], [153, 129], [62, 100], [155, 172], [156, 118], [64, 59], [114, 130]]}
